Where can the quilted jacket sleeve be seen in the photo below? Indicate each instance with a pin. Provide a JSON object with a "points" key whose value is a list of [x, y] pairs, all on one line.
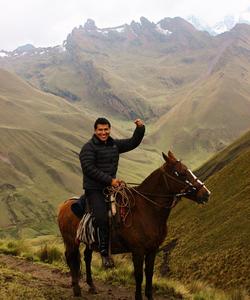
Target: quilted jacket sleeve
{"points": [[125, 145]]}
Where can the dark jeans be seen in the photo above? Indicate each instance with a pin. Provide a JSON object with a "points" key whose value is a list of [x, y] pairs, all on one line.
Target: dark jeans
{"points": [[99, 207]]}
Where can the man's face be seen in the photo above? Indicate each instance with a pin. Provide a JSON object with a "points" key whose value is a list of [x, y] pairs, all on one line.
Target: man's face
{"points": [[102, 131]]}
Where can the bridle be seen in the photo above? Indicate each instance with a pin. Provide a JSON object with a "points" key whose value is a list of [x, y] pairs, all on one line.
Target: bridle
{"points": [[189, 189], [127, 197]]}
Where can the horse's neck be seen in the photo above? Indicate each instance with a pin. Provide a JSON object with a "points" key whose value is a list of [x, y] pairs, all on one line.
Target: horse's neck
{"points": [[154, 184], [154, 187]]}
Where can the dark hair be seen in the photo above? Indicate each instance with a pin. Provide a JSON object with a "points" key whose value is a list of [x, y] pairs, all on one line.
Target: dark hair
{"points": [[102, 121]]}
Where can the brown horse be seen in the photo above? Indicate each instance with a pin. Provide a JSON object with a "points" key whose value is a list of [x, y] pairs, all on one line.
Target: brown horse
{"points": [[153, 200]]}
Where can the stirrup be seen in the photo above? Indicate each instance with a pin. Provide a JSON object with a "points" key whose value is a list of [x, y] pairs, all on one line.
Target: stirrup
{"points": [[107, 262]]}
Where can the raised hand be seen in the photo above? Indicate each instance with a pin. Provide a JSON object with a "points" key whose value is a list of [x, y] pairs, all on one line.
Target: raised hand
{"points": [[139, 122]]}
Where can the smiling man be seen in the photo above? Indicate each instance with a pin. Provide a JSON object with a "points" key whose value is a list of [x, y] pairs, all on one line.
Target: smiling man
{"points": [[99, 161]]}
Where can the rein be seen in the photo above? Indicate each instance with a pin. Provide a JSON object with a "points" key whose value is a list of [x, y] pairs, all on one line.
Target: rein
{"points": [[175, 196], [144, 195], [122, 190], [125, 192]]}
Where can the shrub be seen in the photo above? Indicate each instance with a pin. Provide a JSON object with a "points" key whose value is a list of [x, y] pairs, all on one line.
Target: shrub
{"points": [[50, 254], [237, 295], [12, 247]]}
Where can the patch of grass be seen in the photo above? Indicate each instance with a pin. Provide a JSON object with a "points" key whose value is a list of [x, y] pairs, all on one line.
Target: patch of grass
{"points": [[170, 289], [14, 286], [121, 274], [43, 249], [23, 286], [13, 247], [50, 254], [202, 291]]}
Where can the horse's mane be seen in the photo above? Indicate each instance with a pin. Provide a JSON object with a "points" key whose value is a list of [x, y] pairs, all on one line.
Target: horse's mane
{"points": [[145, 183]]}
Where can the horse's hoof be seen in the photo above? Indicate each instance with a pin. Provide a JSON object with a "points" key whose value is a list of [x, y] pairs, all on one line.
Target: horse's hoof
{"points": [[149, 296], [77, 291], [92, 290], [107, 262]]}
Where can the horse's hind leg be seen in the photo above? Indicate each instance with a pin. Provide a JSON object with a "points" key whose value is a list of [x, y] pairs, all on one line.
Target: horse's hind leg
{"points": [[89, 280], [72, 255], [149, 271]]}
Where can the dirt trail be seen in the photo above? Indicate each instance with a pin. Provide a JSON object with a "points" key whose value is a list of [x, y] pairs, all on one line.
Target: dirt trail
{"points": [[55, 284]]}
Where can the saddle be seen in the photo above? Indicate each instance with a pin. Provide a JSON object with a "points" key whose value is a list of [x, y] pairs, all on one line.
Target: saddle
{"points": [[87, 231], [79, 207]]}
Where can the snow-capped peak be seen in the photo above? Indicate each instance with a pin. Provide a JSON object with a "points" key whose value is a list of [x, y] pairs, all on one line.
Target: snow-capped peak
{"points": [[162, 30], [226, 24], [3, 53]]}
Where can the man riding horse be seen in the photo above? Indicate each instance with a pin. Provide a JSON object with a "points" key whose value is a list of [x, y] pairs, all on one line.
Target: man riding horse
{"points": [[99, 161]]}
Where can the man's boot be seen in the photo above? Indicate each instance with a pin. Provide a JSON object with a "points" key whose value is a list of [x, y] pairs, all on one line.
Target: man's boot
{"points": [[107, 261]]}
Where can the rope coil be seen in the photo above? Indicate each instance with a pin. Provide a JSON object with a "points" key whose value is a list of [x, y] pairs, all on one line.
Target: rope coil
{"points": [[123, 198]]}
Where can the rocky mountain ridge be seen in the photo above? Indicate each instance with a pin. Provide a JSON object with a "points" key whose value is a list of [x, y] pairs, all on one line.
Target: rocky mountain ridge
{"points": [[135, 32], [152, 71]]}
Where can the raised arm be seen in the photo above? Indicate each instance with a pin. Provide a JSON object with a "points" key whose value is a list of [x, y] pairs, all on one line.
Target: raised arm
{"points": [[125, 145]]}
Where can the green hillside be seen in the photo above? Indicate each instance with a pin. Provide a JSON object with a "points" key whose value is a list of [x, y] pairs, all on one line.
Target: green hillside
{"points": [[40, 136], [37, 166], [213, 242]]}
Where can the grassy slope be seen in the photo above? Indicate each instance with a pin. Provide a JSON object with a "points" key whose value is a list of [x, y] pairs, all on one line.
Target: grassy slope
{"points": [[214, 241], [38, 169], [39, 165]]}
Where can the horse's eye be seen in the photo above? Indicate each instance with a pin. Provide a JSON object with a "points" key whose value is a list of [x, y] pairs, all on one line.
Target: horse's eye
{"points": [[181, 175]]}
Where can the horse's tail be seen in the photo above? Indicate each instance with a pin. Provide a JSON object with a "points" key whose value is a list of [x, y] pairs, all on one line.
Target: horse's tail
{"points": [[68, 224]]}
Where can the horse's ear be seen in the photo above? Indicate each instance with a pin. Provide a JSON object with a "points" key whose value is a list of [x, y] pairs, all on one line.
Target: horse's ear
{"points": [[165, 156], [171, 155]]}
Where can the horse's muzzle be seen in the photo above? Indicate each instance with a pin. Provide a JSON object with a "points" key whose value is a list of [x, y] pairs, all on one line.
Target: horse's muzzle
{"points": [[202, 199]]}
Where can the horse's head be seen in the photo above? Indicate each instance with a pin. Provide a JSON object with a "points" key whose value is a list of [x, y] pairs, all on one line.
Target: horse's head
{"points": [[181, 180]]}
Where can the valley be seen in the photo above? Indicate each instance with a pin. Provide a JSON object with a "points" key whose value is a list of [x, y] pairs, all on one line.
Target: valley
{"points": [[193, 92]]}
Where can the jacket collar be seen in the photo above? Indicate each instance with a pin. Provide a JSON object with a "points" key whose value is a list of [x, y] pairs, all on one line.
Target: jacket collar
{"points": [[97, 141]]}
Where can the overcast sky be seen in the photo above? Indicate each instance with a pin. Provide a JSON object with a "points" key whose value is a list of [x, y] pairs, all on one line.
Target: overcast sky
{"points": [[47, 22]]}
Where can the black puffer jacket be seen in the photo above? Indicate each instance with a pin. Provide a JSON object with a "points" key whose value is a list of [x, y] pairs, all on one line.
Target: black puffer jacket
{"points": [[99, 160]]}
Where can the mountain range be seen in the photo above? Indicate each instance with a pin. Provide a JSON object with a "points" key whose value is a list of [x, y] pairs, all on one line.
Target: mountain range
{"points": [[226, 24], [191, 88]]}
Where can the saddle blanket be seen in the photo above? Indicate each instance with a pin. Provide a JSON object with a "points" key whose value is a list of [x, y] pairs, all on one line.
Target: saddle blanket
{"points": [[86, 231]]}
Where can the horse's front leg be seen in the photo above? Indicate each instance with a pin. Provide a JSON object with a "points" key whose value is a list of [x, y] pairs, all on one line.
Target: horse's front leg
{"points": [[138, 259], [149, 271], [89, 280]]}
